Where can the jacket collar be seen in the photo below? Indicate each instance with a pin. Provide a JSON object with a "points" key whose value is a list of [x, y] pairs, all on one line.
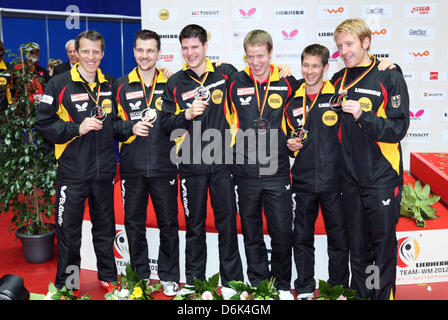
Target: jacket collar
{"points": [[76, 76], [133, 76]]}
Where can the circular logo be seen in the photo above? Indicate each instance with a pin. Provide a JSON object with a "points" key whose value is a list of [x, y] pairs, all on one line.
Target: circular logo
{"points": [[159, 103], [107, 105], [408, 251], [2, 81], [329, 118], [217, 96], [275, 101], [164, 14], [366, 104]]}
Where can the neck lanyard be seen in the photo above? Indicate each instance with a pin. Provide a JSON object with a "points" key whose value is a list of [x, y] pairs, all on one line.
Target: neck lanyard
{"points": [[305, 112], [261, 108], [151, 95], [201, 82], [342, 89], [97, 94]]}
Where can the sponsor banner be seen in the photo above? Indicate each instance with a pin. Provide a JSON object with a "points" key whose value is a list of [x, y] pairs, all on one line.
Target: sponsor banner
{"points": [[420, 32], [417, 136], [370, 11], [289, 35], [420, 114], [205, 14], [160, 15], [421, 257], [333, 11], [421, 10], [289, 13], [434, 75], [383, 33], [247, 13], [433, 94], [418, 55], [121, 253]]}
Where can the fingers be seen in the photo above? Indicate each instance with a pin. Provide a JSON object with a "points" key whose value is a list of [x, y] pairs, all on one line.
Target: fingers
{"points": [[196, 109], [141, 128], [90, 124], [294, 144]]}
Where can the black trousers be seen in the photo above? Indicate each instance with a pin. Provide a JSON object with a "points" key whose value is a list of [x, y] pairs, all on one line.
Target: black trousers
{"points": [[371, 218], [163, 193], [306, 209], [273, 194], [194, 191], [70, 201]]}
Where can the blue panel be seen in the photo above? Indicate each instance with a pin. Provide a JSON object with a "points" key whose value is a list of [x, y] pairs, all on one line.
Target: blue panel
{"points": [[111, 31], [59, 35], [17, 31], [129, 31], [118, 7]]}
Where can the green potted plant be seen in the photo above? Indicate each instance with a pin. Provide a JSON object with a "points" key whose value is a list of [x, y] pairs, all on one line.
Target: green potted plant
{"points": [[27, 166]]}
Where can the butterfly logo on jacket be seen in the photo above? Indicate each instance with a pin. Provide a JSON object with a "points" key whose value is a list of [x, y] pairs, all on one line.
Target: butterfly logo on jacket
{"points": [[245, 102], [82, 107], [135, 106]]}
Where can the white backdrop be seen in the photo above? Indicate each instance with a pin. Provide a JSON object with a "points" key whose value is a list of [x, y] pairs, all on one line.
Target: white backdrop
{"points": [[410, 33]]}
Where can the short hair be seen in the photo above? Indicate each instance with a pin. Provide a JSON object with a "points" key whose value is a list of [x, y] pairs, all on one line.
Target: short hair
{"points": [[145, 34], [91, 35], [355, 26], [69, 42], [318, 51], [258, 37], [193, 31]]}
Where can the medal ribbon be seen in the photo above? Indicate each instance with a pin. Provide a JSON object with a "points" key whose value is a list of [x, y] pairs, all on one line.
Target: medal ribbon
{"points": [[305, 113], [200, 82], [151, 95], [260, 109], [342, 89], [97, 94]]}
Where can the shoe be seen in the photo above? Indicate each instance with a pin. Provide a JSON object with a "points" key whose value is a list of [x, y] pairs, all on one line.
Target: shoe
{"points": [[305, 296], [285, 295], [227, 293], [170, 288], [108, 286], [184, 291]]}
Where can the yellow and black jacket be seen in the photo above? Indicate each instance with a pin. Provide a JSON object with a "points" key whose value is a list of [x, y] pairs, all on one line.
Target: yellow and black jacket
{"points": [[244, 110], [143, 156], [67, 101], [177, 98], [5, 84], [316, 165], [371, 147]]}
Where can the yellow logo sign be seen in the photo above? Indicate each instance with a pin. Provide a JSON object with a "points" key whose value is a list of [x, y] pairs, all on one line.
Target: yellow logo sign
{"points": [[2, 81], [159, 103], [217, 96], [275, 101], [366, 104], [329, 118], [107, 105], [164, 14]]}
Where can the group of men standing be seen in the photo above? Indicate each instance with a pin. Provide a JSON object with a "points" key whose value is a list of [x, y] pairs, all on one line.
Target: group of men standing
{"points": [[349, 163]]}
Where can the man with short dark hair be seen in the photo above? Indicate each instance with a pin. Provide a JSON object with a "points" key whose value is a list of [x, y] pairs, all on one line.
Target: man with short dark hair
{"points": [[316, 180], [193, 102], [145, 166], [77, 114]]}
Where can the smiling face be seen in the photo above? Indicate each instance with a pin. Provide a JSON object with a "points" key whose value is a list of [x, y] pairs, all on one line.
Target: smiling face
{"points": [[90, 54], [146, 54], [352, 50], [194, 53], [259, 60], [313, 71]]}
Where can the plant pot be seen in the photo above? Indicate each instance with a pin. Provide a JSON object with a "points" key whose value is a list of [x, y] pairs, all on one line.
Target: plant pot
{"points": [[38, 248]]}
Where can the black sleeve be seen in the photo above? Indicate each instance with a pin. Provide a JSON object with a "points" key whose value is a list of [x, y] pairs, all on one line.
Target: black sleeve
{"points": [[48, 123]]}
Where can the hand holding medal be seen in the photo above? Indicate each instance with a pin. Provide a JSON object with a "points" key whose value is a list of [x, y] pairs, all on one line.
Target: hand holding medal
{"points": [[337, 100], [197, 108]]}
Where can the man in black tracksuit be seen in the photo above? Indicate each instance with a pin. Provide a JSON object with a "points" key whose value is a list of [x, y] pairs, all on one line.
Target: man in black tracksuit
{"points": [[186, 116], [316, 179], [145, 166], [375, 118], [85, 155], [257, 97]]}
